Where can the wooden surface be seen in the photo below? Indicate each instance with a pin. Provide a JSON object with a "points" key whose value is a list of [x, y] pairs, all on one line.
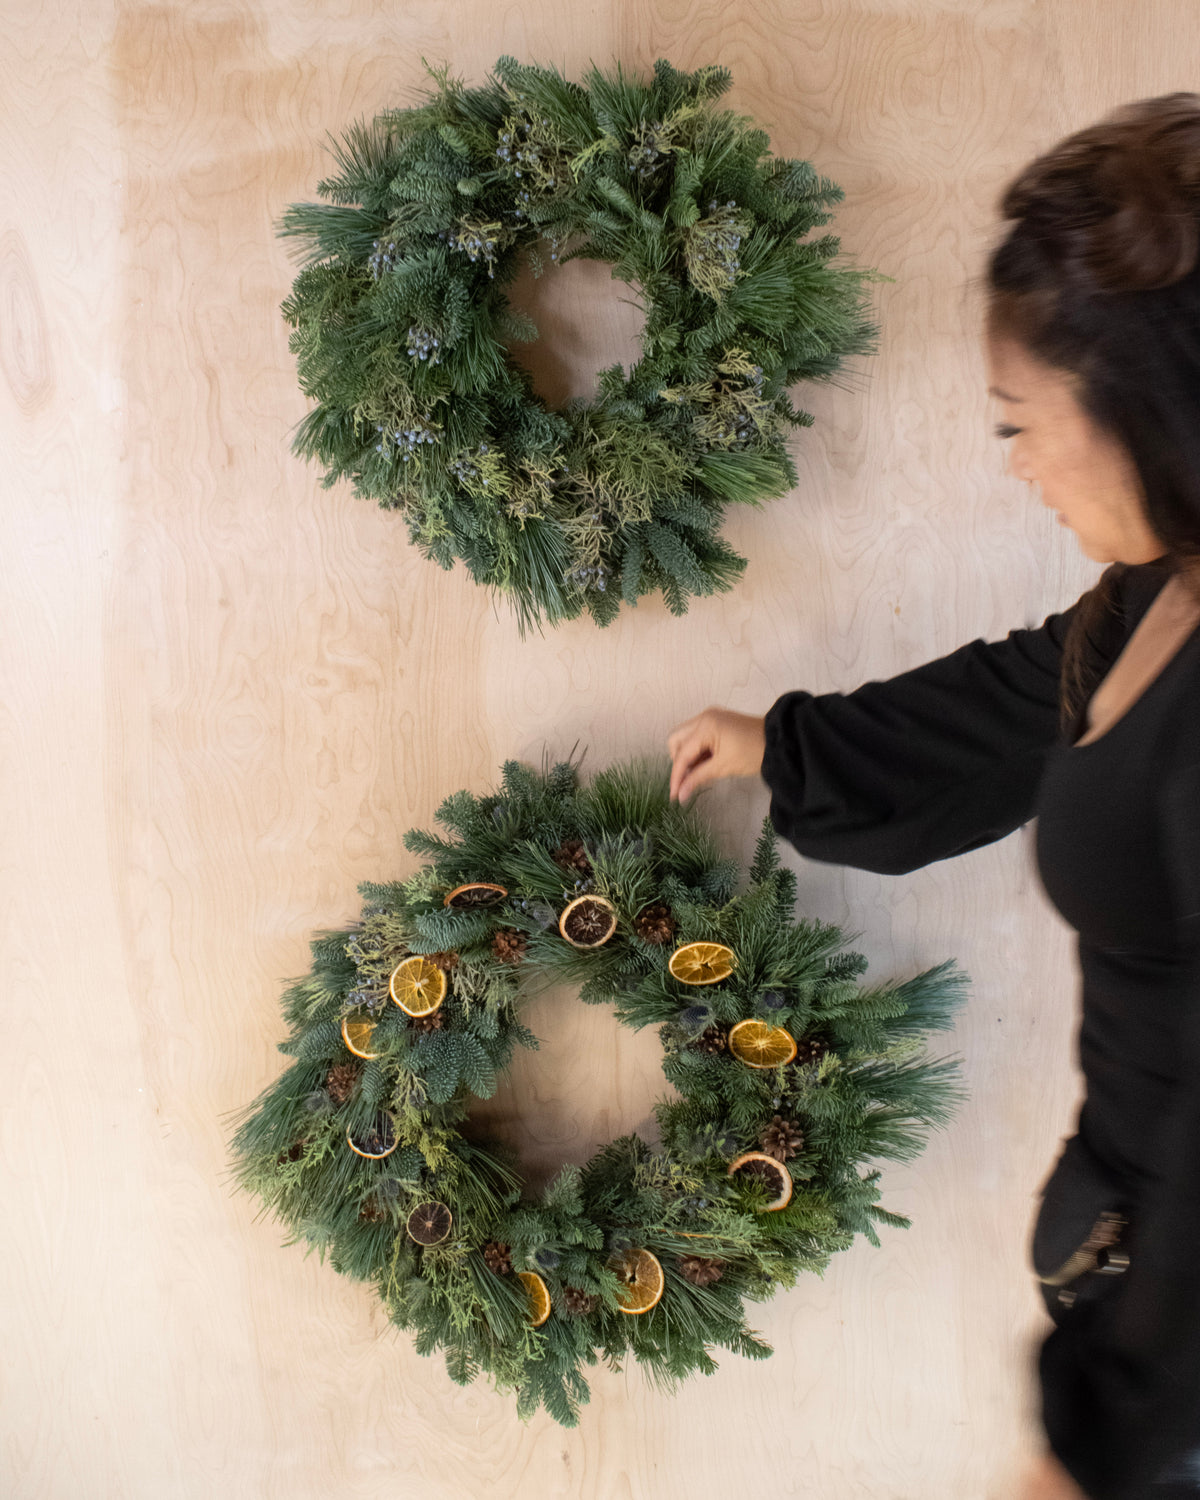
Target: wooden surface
{"points": [[226, 693]]}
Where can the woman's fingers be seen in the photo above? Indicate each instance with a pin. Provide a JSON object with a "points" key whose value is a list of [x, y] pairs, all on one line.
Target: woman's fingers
{"points": [[716, 743], [700, 773], [688, 747], [681, 733]]}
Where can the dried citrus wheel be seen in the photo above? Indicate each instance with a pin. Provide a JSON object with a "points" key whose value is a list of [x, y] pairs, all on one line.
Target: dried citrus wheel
{"points": [[641, 1275], [765, 1169], [539, 1297], [356, 1033], [702, 963], [429, 1223], [761, 1046], [588, 921], [417, 985], [474, 893], [376, 1141]]}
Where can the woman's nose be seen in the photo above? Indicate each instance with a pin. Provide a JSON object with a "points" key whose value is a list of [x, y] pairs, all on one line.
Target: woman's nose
{"points": [[1020, 467]]}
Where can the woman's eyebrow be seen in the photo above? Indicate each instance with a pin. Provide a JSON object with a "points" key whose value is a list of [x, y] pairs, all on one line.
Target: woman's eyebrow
{"points": [[1004, 396]]}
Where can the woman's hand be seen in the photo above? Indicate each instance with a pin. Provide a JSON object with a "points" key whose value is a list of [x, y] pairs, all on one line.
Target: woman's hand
{"points": [[1048, 1480], [714, 744]]}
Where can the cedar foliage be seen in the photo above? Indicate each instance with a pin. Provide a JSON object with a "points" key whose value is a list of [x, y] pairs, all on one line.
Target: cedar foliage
{"points": [[871, 1097], [402, 327]]}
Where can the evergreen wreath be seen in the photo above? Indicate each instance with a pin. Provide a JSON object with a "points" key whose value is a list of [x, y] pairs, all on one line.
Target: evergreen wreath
{"points": [[400, 319], [789, 1074]]}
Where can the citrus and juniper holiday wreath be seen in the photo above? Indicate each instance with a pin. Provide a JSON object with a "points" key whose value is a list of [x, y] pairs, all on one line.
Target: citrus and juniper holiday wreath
{"points": [[789, 1075], [401, 324]]}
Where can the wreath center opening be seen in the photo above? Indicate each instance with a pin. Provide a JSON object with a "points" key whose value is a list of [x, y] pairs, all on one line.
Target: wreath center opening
{"points": [[590, 1081], [586, 322]]}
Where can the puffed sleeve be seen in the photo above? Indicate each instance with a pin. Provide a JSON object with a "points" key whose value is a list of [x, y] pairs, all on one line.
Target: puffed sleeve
{"points": [[926, 765], [1134, 1371]]}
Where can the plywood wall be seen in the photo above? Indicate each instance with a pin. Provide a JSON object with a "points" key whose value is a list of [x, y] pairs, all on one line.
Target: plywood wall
{"points": [[227, 693]]}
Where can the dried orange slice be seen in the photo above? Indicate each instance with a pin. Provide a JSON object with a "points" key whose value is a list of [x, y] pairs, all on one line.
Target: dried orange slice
{"points": [[702, 963], [429, 1223], [474, 894], [356, 1033], [377, 1141], [588, 921], [765, 1169], [539, 1297], [761, 1046], [642, 1276], [417, 985]]}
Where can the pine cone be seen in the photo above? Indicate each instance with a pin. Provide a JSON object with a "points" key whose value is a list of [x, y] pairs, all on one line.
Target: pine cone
{"points": [[446, 960], [810, 1050], [701, 1270], [293, 1153], [571, 855], [713, 1039], [579, 1303], [655, 924], [498, 1256], [782, 1139], [372, 1212], [433, 1022], [341, 1081], [509, 945]]}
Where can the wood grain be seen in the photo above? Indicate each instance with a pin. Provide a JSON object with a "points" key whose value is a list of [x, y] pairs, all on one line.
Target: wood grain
{"points": [[226, 693]]}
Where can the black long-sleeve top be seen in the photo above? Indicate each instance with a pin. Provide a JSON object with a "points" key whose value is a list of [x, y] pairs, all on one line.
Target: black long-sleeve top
{"points": [[960, 752]]}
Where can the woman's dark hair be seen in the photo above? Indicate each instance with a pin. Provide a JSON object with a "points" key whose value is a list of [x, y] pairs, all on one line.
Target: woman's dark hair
{"points": [[1099, 275]]}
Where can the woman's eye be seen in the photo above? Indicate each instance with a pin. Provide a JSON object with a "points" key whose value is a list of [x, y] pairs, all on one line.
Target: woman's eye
{"points": [[1003, 430]]}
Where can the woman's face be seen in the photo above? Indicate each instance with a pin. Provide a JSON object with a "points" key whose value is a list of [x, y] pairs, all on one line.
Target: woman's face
{"points": [[1083, 472]]}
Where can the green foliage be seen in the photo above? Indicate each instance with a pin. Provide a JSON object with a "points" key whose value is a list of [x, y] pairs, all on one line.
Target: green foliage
{"points": [[870, 1095], [401, 324]]}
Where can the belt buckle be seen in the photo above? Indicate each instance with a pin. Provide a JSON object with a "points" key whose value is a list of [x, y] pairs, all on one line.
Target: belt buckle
{"points": [[1096, 1253]]}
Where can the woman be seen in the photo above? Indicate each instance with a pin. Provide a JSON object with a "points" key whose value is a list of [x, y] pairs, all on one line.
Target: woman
{"points": [[1091, 723]]}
